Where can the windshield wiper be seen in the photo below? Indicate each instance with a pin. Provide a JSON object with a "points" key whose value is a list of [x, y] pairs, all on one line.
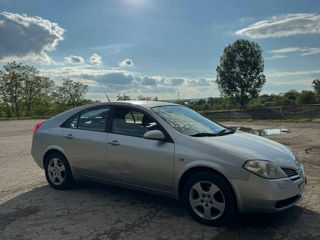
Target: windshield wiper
{"points": [[227, 130], [203, 134], [224, 131]]}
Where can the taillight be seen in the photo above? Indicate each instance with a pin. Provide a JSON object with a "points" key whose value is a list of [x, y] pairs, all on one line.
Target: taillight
{"points": [[36, 126]]}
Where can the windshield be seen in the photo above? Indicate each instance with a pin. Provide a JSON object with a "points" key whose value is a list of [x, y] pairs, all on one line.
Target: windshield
{"points": [[187, 121]]}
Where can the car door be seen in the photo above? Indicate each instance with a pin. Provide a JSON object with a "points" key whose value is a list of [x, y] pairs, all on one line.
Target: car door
{"points": [[133, 159], [84, 140]]}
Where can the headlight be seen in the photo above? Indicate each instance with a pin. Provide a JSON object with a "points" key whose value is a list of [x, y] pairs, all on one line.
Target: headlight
{"points": [[264, 169]]}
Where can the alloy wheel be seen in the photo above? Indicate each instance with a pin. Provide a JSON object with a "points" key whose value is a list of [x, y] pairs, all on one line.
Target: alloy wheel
{"points": [[56, 171], [207, 200]]}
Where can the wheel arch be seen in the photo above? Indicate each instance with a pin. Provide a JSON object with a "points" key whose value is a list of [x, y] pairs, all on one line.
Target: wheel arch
{"points": [[51, 151], [188, 173]]}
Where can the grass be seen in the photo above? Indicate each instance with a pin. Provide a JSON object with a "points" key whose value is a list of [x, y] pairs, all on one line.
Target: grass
{"points": [[26, 118]]}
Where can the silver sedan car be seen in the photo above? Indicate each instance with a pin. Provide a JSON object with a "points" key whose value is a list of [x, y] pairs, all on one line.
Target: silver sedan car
{"points": [[170, 150]]}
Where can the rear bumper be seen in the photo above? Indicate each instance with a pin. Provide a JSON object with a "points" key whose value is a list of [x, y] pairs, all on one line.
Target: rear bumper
{"points": [[265, 195], [37, 152]]}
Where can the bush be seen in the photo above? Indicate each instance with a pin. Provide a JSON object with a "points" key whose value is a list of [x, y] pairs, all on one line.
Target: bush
{"points": [[306, 97]]}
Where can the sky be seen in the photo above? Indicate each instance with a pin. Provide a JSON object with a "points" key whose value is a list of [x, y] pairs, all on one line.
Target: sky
{"points": [[160, 47]]}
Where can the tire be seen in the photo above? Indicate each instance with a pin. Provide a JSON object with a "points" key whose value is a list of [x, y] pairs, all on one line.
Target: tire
{"points": [[58, 172], [209, 199]]}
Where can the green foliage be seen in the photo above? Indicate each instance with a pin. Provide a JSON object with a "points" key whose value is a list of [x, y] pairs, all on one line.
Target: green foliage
{"points": [[290, 97], [140, 97], [24, 93], [70, 93], [306, 97], [316, 87], [123, 97], [144, 98], [240, 73], [11, 82]]}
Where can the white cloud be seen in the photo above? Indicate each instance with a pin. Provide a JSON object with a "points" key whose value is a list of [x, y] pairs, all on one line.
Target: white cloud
{"points": [[149, 81], [275, 56], [297, 73], [112, 48], [310, 51], [114, 78], [126, 63], [177, 81], [134, 84], [95, 59], [28, 38], [305, 81], [285, 50], [283, 25], [74, 59], [278, 53], [199, 82]]}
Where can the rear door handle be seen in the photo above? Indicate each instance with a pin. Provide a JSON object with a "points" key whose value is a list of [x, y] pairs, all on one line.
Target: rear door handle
{"points": [[114, 142], [69, 136]]}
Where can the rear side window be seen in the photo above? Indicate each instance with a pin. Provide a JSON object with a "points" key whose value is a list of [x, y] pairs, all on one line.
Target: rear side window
{"points": [[71, 122], [92, 120]]}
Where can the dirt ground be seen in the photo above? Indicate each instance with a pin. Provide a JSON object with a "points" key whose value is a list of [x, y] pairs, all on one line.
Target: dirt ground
{"points": [[29, 209]]}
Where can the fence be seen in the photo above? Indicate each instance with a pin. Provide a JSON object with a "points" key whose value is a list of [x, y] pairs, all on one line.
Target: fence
{"points": [[310, 111]]}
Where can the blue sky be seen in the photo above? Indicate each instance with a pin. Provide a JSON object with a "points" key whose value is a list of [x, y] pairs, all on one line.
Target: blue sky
{"points": [[156, 48]]}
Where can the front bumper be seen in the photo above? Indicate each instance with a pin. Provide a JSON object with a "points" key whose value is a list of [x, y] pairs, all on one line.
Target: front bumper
{"points": [[258, 194]]}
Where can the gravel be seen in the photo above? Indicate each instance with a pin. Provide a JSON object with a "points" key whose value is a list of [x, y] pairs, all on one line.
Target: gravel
{"points": [[29, 209]]}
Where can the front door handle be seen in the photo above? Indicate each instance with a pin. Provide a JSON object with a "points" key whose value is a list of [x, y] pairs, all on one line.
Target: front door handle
{"points": [[69, 136], [114, 142]]}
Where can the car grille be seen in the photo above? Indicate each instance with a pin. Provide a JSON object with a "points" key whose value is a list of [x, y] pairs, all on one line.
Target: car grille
{"points": [[291, 173]]}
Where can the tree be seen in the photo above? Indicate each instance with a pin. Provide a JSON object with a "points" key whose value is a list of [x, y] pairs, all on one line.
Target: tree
{"points": [[71, 93], [20, 85], [240, 73], [290, 97], [35, 86], [143, 98], [211, 101], [4, 97], [316, 87], [306, 97], [123, 97], [12, 76]]}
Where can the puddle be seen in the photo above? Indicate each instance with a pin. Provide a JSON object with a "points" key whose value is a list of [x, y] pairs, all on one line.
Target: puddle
{"points": [[264, 132]]}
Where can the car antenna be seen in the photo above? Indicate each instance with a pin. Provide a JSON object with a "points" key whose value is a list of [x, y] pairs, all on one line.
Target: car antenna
{"points": [[105, 90]]}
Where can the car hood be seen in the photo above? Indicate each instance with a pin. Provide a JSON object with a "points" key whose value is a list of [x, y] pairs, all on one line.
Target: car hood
{"points": [[248, 146]]}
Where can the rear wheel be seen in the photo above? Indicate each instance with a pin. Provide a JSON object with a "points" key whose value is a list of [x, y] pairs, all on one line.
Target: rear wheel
{"points": [[209, 199], [58, 172]]}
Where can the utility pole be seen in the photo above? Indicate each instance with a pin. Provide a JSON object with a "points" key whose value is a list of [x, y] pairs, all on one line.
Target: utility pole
{"points": [[178, 95]]}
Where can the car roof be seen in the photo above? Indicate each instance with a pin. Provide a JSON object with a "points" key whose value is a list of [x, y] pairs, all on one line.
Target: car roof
{"points": [[60, 118], [147, 104]]}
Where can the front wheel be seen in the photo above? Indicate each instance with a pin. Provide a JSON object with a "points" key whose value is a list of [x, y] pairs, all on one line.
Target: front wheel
{"points": [[209, 199], [58, 172]]}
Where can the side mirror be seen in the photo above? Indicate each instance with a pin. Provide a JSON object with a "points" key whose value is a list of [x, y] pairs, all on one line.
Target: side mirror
{"points": [[154, 135]]}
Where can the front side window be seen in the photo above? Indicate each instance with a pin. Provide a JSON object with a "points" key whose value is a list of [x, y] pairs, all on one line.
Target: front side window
{"points": [[187, 121], [131, 122]]}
